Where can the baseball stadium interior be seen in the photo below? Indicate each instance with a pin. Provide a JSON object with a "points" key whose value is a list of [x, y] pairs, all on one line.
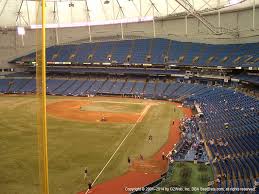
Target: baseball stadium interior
{"points": [[142, 96]]}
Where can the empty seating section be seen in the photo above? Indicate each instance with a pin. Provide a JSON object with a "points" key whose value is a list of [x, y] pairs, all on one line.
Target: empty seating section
{"points": [[62, 89], [83, 52], [208, 55], [65, 53], [231, 129], [29, 87], [83, 87], [121, 50], [149, 89], [116, 88], [171, 89], [175, 51], [53, 84], [106, 87], [181, 91], [76, 84], [4, 85], [180, 53], [194, 52], [95, 87], [140, 50], [102, 52], [138, 89], [159, 50], [127, 88], [17, 84], [52, 52], [160, 88]]}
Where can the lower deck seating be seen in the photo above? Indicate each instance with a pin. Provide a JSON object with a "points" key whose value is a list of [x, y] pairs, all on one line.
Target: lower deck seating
{"points": [[230, 126]]}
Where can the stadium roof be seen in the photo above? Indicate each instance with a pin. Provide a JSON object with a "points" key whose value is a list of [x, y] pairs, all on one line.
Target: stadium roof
{"points": [[65, 13]]}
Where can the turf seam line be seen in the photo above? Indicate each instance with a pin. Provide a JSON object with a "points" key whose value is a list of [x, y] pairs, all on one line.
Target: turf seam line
{"points": [[143, 113], [140, 118]]}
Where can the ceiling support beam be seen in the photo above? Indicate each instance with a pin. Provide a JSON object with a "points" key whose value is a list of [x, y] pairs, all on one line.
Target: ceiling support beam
{"points": [[205, 3], [3, 7], [88, 19], [120, 7], [134, 4], [20, 16], [189, 8], [167, 7], [28, 13], [154, 6], [219, 19], [253, 22], [186, 25], [104, 12], [56, 20], [113, 10], [140, 8], [121, 24], [153, 21], [122, 31], [19, 12], [215, 30]]}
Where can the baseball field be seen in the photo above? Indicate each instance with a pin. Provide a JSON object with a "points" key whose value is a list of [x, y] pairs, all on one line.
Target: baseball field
{"points": [[92, 132]]}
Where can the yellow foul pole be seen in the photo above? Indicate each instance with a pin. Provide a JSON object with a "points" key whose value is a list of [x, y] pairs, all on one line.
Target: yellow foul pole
{"points": [[44, 115], [41, 94]]}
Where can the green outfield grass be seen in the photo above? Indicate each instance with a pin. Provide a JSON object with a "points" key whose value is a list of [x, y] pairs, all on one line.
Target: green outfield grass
{"points": [[72, 145]]}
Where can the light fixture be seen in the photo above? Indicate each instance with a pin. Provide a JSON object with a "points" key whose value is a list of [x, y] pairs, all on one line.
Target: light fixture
{"points": [[71, 4], [106, 2], [21, 31], [233, 2]]}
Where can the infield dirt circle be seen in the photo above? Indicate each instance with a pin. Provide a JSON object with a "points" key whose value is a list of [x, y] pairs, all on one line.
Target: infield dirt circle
{"points": [[70, 109]]}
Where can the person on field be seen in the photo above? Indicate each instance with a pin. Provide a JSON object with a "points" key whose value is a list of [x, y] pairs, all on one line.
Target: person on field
{"points": [[163, 156], [150, 138], [89, 184], [85, 173], [141, 157], [129, 160]]}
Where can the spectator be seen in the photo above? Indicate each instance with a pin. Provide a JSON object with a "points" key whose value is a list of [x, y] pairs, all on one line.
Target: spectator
{"points": [[85, 173], [163, 156], [150, 138], [89, 184]]}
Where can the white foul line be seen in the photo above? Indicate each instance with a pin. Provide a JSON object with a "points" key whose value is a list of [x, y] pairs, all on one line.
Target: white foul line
{"points": [[141, 117]]}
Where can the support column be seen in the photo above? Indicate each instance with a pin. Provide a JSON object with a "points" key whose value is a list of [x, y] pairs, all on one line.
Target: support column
{"points": [[186, 25], [153, 21]]}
